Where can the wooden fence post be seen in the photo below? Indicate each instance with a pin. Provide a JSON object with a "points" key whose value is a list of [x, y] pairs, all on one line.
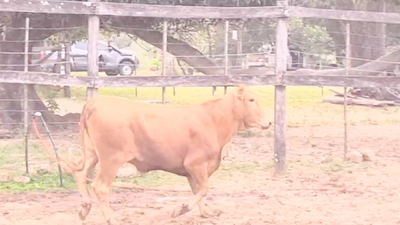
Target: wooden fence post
{"points": [[4, 32], [347, 66], [67, 89], [281, 51], [164, 59], [226, 51], [239, 47], [26, 95], [93, 65]]}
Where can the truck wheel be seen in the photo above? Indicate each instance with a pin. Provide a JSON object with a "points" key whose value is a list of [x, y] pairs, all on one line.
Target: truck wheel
{"points": [[126, 68]]}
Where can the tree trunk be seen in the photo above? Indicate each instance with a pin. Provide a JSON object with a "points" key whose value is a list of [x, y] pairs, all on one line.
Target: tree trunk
{"points": [[12, 59], [335, 29], [368, 42], [180, 49]]}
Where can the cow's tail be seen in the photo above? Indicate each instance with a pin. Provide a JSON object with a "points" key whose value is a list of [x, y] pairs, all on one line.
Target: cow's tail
{"points": [[83, 131]]}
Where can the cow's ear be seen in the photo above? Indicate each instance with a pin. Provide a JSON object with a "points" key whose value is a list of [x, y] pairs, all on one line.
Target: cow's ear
{"points": [[240, 92]]}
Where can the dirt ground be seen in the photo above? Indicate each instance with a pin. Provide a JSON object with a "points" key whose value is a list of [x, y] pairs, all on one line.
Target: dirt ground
{"points": [[319, 188]]}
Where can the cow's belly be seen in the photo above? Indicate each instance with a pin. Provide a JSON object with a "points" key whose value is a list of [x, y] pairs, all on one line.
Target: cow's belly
{"points": [[144, 167], [164, 143], [160, 156]]}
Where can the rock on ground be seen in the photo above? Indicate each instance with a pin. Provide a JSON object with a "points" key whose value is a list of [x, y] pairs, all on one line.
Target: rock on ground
{"points": [[6, 177], [368, 155], [355, 157], [22, 179]]}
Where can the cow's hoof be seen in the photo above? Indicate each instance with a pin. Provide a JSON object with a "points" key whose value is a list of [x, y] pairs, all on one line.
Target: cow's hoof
{"points": [[84, 210], [112, 221], [207, 213], [184, 208]]}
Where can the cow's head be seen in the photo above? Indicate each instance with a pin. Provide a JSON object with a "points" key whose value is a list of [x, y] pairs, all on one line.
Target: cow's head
{"points": [[248, 110]]}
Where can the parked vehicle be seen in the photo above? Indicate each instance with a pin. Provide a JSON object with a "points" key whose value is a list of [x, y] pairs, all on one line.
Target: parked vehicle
{"points": [[112, 61]]}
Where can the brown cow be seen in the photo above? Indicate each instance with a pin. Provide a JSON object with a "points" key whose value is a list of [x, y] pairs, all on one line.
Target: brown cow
{"points": [[184, 140]]}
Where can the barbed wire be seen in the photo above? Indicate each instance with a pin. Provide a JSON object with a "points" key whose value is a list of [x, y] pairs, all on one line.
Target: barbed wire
{"points": [[244, 42], [46, 28], [300, 43], [351, 58], [121, 28], [246, 30], [364, 35], [17, 100], [21, 41], [99, 53], [231, 55], [132, 28], [190, 56]]}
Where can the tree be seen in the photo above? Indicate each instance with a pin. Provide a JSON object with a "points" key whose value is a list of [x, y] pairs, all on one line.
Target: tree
{"points": [[12, 58], [367, 39]]}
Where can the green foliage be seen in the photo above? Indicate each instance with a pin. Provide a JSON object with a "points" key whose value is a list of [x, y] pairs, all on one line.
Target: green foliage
{"points": [[50, 93], [156, 64], [71, 34], [117, 38], [309, 38], [52, 105]]}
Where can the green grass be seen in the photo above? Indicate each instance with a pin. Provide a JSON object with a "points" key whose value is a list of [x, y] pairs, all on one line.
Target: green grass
{"points": [[298, 96], [304, 104], [40, 182], [12, 156]]}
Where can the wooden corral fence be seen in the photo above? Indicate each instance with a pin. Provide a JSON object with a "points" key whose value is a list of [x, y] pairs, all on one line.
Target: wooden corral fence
{"points": [[62, 65], [94, 9]]}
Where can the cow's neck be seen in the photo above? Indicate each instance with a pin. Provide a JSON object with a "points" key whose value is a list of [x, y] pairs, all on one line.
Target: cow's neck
{"points": [[222, 113]]}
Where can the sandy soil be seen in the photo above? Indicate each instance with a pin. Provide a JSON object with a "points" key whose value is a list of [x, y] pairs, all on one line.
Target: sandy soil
{"points": [[318, 188]]}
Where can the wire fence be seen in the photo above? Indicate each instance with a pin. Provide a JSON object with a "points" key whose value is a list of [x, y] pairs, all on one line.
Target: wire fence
{"points": [[314, 125], [233, 53], [312, 58], [240, 51]]}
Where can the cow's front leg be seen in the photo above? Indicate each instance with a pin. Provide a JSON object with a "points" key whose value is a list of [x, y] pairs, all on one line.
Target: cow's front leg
{"points": [[200, 176], [204, 212]]}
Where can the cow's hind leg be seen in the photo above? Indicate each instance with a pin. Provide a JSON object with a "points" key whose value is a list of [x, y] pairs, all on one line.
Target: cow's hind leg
{"points": [[80, 179], [200, 175], [101, 186]]}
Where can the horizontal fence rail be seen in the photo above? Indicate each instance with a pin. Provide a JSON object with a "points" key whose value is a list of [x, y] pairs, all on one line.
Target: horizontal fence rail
{"points": [[196, 81], [137, 10], [190, 12]]}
